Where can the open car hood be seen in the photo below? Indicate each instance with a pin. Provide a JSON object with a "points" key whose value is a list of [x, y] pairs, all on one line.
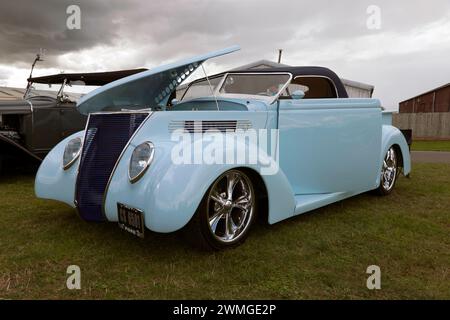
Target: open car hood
{"points": [[146, 89]]}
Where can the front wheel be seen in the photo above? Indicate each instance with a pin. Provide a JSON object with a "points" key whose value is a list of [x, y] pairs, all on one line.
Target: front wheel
{"points": [[226, 212], [389, 172]]}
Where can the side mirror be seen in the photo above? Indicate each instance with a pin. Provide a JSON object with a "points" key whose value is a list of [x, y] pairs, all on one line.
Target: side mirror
{"points": [[298, 94], [174, 101]]}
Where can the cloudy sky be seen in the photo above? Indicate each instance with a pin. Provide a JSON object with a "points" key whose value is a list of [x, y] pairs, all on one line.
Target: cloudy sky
{"points": [[404, 54]]}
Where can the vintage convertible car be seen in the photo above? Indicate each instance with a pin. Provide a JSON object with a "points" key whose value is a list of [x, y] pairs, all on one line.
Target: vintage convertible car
{"points": [[125, 166], [32, 126]]}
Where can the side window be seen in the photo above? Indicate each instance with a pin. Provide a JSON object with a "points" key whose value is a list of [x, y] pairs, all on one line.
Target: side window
{"points": [[313, 87]]}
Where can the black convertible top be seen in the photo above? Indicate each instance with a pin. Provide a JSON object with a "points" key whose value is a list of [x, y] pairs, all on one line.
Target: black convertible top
{"points": [[90, 79], [296, 71]]}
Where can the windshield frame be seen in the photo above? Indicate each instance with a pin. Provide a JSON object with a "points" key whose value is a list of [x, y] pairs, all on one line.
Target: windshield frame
{"points": [[61, 91], [217, 92], [31, 91]]}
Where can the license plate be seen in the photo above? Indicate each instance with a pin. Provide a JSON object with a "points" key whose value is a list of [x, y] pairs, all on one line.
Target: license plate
{"points": [[131, 220]]}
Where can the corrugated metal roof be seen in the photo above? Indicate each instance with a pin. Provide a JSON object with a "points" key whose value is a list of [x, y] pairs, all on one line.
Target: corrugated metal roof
{"points": [[9, 93], [427, 92], [261, 64]]}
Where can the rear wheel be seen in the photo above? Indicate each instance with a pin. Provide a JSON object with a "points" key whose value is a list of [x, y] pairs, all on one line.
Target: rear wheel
{"points": [[226, 213], [389, 172]]}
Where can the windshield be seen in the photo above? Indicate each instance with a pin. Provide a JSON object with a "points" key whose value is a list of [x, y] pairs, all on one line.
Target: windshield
{"points": [[201, 88], [268, 85], [70, 92]]}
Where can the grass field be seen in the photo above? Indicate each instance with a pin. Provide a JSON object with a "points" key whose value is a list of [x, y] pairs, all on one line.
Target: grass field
{"points": [[322, 255], [419, 145]]}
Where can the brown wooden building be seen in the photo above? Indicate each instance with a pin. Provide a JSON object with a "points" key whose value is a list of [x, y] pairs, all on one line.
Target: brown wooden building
{"points": [[436, 100]]}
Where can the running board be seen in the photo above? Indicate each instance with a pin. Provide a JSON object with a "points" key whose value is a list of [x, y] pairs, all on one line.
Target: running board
{"points": [[308, 202]]}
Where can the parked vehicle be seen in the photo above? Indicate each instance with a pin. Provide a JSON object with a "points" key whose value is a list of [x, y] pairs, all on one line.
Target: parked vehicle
{"points": [[124, 167], [32, 126]]}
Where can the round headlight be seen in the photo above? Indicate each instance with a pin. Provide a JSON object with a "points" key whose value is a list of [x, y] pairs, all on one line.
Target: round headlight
{"points": [[140, 160], [71, 152]]}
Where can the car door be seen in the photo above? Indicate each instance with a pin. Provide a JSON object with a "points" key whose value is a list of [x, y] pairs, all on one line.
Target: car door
{"points": [[328, 144]]}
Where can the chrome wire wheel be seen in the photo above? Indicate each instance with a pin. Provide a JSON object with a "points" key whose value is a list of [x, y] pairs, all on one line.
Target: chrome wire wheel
{"points": [[389, 170], [230, 206]]}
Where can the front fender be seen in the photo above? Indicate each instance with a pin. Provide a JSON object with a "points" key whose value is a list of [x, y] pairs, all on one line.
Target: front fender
{"points": [[52, 181], [393, 136], [169, 194]]}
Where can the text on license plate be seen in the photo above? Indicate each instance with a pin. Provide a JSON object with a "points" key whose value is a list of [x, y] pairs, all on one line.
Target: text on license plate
{"points": [[131, 220]]}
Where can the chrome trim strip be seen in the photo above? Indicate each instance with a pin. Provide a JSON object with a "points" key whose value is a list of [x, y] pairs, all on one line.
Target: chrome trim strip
{"points": [[120, 157], [122, 112], [78, 168], [31, 106], [32, 117]]}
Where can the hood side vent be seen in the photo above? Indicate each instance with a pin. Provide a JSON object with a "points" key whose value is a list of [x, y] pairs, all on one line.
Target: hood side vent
{"points": [[202, 126]]}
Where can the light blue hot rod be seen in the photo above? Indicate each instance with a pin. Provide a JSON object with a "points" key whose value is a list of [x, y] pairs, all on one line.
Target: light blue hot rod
{"points": [[273, 142]]}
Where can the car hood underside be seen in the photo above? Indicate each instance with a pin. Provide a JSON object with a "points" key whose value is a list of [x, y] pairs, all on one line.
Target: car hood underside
{"points": [[148, 89]]}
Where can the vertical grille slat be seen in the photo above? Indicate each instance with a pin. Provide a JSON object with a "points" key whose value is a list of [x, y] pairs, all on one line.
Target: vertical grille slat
{"points": [[106, 136]]}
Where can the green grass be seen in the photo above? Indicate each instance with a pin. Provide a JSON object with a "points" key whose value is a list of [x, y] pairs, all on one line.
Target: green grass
{"points": [[322, 255], [423, 145]]}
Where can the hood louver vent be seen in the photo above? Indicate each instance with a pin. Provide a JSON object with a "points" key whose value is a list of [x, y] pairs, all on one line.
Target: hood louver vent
{"points": [[201, 126]]}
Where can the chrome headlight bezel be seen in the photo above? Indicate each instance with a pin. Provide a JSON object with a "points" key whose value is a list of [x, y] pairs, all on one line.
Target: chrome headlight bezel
{"points": [[147, 161], [75, 155]]}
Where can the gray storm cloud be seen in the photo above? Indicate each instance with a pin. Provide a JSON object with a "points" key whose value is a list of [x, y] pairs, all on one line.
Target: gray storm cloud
{"points": [[122, 34], [26, 26]]}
